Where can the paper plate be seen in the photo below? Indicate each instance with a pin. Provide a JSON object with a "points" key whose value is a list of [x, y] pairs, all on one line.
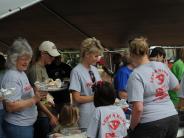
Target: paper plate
{"points": [[51, 89]]}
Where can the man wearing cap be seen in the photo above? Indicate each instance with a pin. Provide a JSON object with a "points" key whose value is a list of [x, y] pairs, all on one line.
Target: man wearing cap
{"points": [[45, 54], [48, 46]]}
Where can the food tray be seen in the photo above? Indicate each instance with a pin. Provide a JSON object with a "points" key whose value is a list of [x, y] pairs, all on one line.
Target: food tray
{"points": [[51, 89]]}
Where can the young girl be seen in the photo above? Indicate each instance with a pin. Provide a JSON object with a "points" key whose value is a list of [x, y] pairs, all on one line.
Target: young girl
{"points": [[108, 120], [68, 119]]}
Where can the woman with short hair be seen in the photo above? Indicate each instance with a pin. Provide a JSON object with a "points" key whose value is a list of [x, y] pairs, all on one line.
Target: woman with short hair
{"points": [[20, 106], [83, 76], [153, 113]]}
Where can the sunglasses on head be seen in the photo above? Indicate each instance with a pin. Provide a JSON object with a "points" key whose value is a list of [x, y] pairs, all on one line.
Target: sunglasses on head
{"points": [[92, 76]]}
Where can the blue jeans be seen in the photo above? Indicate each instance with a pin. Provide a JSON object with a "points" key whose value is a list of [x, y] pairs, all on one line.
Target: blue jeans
{"points": [[1, 122], [14, 131]]}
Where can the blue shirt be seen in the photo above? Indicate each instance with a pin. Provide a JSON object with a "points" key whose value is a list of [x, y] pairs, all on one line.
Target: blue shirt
{"points": [[121, 78]]}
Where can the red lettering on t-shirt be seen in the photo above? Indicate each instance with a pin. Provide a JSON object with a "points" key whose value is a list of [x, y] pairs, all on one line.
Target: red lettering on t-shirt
{"points": [[27, 88], [113, 121], [161, 93], [160, 78], [114, 124], [89, 84], [106, 119], [110, 135]]}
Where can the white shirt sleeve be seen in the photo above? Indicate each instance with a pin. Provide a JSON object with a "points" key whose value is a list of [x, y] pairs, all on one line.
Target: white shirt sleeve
{"points": [[135, 88], [75, 81]]}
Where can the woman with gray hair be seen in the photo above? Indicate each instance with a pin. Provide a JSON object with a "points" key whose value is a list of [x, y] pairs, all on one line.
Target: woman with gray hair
{"points": [[82, 77], [20, 106]]}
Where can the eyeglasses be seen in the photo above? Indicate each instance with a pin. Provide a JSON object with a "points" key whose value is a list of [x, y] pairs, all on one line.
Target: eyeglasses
{"points": [[92, 76]]}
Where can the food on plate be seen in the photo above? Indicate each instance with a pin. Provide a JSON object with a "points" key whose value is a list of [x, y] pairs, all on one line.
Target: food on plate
{"points": [[49, 83], [54, 84], [49, 80], [58, 83]]}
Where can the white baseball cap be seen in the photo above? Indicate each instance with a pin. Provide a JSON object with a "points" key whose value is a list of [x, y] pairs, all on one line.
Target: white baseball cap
{"points": [[50, 47]]}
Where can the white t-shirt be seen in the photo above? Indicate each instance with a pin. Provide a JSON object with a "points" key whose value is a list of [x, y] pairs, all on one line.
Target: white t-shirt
{"points": [[107, 122], [23, 91], [150, 83], [80, 81]]}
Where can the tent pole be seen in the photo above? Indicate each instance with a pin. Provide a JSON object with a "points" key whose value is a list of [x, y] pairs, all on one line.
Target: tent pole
{"points": [[64, 20], [12, 11]]}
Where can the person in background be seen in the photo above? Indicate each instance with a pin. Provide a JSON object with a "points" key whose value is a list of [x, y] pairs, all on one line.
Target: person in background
{"points": [[108, 120], [170, 62], [82, 77], [178, 70], [2, 112], [20, 105], [153, 113], [44, 55], [68, 119], [181, 95], [121, 77], [2, 63], [107, 74], [104, 71], [61, 70], [157, 54], [117, 61]]}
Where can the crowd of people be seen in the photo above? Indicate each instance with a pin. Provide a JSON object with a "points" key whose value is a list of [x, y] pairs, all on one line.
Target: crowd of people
{"points": [[86, 107]]}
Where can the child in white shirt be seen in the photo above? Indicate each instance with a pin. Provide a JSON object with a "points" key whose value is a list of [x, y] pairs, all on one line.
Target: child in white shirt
{"points": [[108, 120]]}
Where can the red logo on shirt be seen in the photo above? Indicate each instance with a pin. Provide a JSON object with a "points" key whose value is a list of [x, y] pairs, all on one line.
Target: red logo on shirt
{"points": [[89, 84], [114, 124], [27, 88], [158, 76], [110, 135], [160, 93]]}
